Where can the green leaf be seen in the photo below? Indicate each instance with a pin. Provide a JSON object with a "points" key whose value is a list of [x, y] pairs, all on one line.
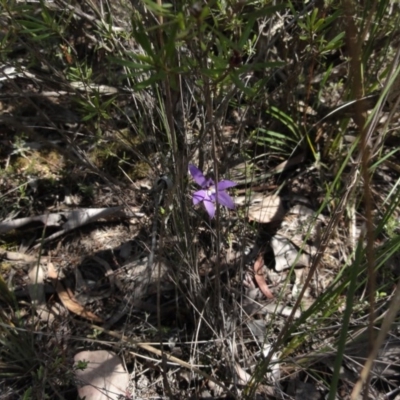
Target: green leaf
{"points": [[259, 66], [180, 19], [275, 135], [284, 119], [264, 12], [335, 43], [313, 17], [248, 29], [237, 81], [163, 10], [170, 45], [6, 295], [131, 64], [142, 37], [331, 18], [150, 81]]}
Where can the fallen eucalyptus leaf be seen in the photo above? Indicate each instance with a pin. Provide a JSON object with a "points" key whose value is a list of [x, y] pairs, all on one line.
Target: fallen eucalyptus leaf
{"points": [[52, 219], [37, 276], [68, 299], [69, 220], [268, 209], [287, 254], [101, 374], [260, 279], [274, 374]]}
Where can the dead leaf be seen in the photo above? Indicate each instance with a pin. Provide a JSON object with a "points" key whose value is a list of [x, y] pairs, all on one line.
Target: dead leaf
{"points": [[36, 292], [274, 373], [258, 328], [287, 254], [78, 218], [70, 220], [268, 209], [16, 256], [36, 285], [259, 277], [104, 376], [68, 299], [46, 219], [244, 377], [271, 308], [94, 88]]}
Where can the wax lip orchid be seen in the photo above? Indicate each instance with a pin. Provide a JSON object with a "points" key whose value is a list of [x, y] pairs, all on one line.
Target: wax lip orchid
{"points": [[209, 193]]}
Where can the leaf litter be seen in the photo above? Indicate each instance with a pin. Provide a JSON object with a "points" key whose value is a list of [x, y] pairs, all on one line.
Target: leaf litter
{"points": [[123, 268], [101, 261]]}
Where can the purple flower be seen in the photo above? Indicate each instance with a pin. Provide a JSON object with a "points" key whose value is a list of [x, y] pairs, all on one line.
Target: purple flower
{"points": [[209, 193]]}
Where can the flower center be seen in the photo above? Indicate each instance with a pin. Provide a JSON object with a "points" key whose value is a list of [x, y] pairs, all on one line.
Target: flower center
{"points": [[211, 190]]}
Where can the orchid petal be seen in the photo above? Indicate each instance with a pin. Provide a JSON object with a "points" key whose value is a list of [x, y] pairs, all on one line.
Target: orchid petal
{"points": [[225, 200], [209, 182], [198, 176], [222, 185], [199, 196], [210, 208]]}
